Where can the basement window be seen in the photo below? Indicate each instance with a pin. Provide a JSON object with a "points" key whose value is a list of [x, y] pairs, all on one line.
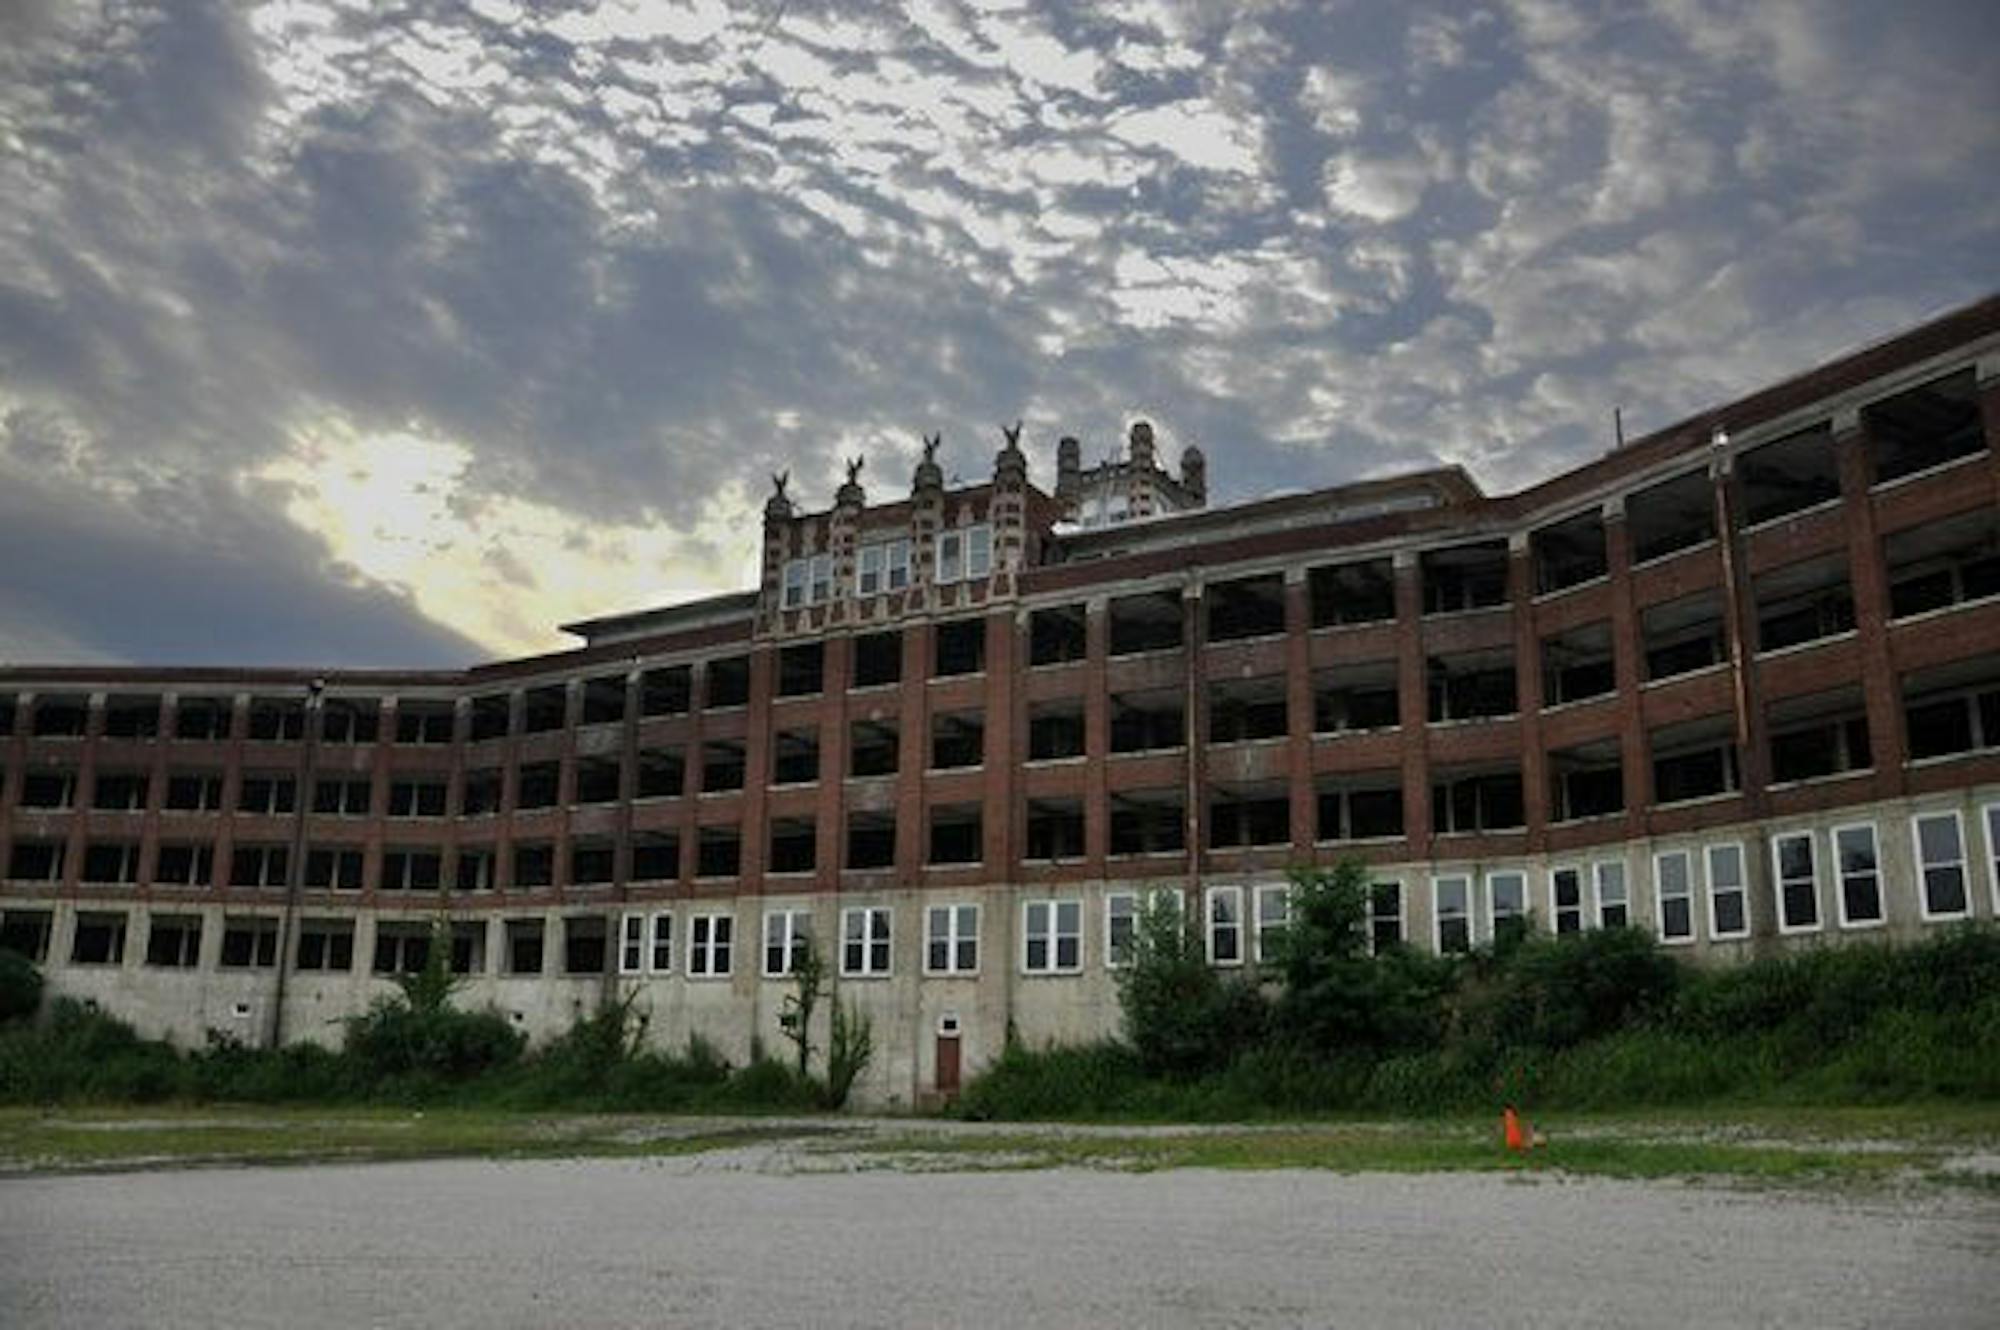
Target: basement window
{"points": [[1466, 577], [60, 716], [491, 716], [794, 845], [1684, 635], [871, 840], [872, 748], [1055, 829], [955, 835], [662, 773], [598, 780], [667, 691], [545, 709], [1368, 806], [428, 723], [1586, 780], [719, 852], [1673, 515], [1803, 602], [878, 660], [1148, 822], [1246, 607], [656, 856], [249, 943], [1150, 621], [350, 720], [1577, 665], [1147, 722], [1243, 710], [173, 941], [604, 700], [728, 682], [1057, 635], [1925, 427], [1570, 552], [326, 945], [539, 785], [1470, 801], [961, 648], [132, 718], [1794, 473], [722, 765], [1240, 816], [277, 720], [1361, 696], [1055, 731], [1352, 593], [801, 669], [524, 945], [795, 757], [99, 939], [1473, 685]]}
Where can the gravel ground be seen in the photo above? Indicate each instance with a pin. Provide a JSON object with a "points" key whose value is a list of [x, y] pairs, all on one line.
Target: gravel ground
{"points": [[735, 1239]]}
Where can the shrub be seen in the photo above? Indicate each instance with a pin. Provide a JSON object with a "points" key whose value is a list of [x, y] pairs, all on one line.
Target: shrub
{"points": [[1556, 992], [20, 986], [407, 1042], [1336, 996], [1182, 1017]]}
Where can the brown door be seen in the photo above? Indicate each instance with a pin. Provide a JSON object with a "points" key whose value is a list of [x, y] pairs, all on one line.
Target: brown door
{"points": [[947, 1065]]}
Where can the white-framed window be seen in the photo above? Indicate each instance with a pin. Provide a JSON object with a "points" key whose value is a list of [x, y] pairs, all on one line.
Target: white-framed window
{"points": [[1993, 852], [1728, 892], [819, 578], [662, 959], [1451, 914], [1225, 926], [1940, 842], [1506, 899], [1614, 899], [951, 939], [632, 944], [1051, 937], [709, 939], [965, 553], [1673, 895], [1795, 869], [1274, 912], [1566, 900], [883, 565], [795, 584], [1385, 915], [1121, 920], [787, 934], [1858, 869], [864, 941]]}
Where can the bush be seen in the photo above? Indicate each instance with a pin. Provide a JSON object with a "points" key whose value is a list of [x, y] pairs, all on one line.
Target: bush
{"points": [[1182, 1017], [1556, 992], [20, 986], [1336, 996], [81, 1054]]}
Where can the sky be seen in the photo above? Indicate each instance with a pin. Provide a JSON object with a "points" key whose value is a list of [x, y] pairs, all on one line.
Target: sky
{"points": [[399, 333]]}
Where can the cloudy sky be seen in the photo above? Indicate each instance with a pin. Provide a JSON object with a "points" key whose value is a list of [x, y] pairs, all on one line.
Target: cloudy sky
{"points": [[395, 333]]}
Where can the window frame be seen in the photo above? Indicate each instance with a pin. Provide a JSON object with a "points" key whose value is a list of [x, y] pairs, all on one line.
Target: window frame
{"points": [[1840, 876], [1556, 908], [1492, 901], [711, 939], [1786, 926], [1401, 917], [867, 966], [1917, 821], [796, 936], [1598, 872], [953, 937], [1260, 924], [1211, 926], [1686, 894], [1464, 914], [1051, 936], [1713, 894]]}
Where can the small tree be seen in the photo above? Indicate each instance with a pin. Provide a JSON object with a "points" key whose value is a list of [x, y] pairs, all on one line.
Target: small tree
{"points": [[20, 986], [1336, 993], [850, 1044], [808, 987], [1180, 1015]]}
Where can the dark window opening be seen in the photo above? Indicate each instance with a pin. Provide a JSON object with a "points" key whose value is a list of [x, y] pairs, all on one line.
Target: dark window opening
{"points": [[794, 845], [1795, 473], [417, 798], [185, 866], [656, 856], [667, 691], [535, 865], [545, 709], [1570, 552], [1943, 563], [249, 944], [662, 773], [1244, 817], [955, 835], [343, 798], [99, 940], [115, 863], [1148, 822], [961, 648], [173, 941], [1467, 577], [1578, 665], [1360, 811], [1150, 621], [120, 792], [1145, 722], [265, 866], [592, 863], [729, 682], [1586, 781], [201, 718], [585, 938], [1672, 515], [1242, 710], [1955, 709], [194, 794], [482, 792], [48, 789], [61, 717], [801, 669], [1472, 686], [1055, 730], [719, 852], [36, 861], [326, 945], [1352, 593], [425, 722], [598, 780], [1355, 697], [539, 785], [722, 765], [604, 700], [274, 720], [1925, 427], [476, 870], [491, 716], [524, 946], [1808, 750], [871, 840], [872, 748], [335, 870], [1246, 607], [1694, 761], [878, 659], [350, 720], [401, 948], [132, 718], [957, 741], [1057, 635], [468, 947], [795, 757], [1055, 829], [1803, 602], [1684, 635], [1479, 801]]}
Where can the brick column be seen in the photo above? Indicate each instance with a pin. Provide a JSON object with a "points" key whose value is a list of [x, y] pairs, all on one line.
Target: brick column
{"points": [[1869, 580], [1097, 735], [1001, 755], [1528, 689], [913, 755], [1411, 707], [1299, 713], [1628, 664], [1194, 671], [829, 813], [754, 830]]}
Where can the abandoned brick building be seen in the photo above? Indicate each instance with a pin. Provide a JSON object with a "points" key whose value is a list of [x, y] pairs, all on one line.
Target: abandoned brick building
{"points": [[1737, 683]]}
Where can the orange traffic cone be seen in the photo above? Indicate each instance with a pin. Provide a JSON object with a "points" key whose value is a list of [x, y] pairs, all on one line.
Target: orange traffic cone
{"points": [[1510, 1124]]}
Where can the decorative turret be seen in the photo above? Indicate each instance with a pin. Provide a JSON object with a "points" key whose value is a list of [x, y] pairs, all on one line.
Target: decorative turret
{"points": [[850, 494], [1194, 475], [1141, 446], [927, 511], [1008, 511], [1069, 469], [778, 515], [1010, 466], [929, 475]]}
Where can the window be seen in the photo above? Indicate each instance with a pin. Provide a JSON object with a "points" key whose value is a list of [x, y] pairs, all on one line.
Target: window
{"points": [[61, 717], [25, 932], [951, 939], [411, 870], [425, 722], [864, 934], [1225, 925], [878, 659], [1385, 916], [958, 647], [965, 554], [801, 669], [1506, 902], [249, 944], [1859, 865], [173, 941], [1122, 917], [667, 691], [1941, 861], [201, 718], [635, 955], [1274, 912], [277, 720], [48, 789], [584, 944], [342, 798], [184, 866], [597, 782], [955, 835], [268, 795], [1993, 850], [1797, 874], [475, 870], [326, 944], [194, 794], [1051, 937], [338, 869], [524, 946], [708, 945], [656, 856], [36, 861], [718, 851], [1451, 914], [808, 581], [1058, 635], [401, 948], [349, 720], [99, 939], [259, 866], [1566, 900], [534, 864], [884, 566], [1673, 895], [1614, 908], [787, 934], [117, 863], [118, 792], [1728, 892], [728, 682], [416, 798], [795, 583]]}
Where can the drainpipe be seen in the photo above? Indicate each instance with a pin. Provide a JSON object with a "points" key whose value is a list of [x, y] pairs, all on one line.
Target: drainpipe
{"points": [[295, 867]]}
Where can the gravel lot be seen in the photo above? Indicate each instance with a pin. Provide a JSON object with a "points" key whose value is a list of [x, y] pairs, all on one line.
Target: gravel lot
{"points": [[737, 1239]]}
